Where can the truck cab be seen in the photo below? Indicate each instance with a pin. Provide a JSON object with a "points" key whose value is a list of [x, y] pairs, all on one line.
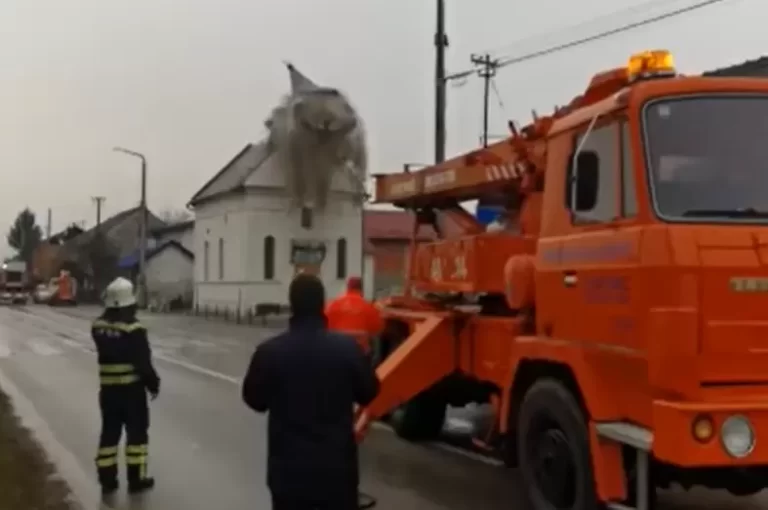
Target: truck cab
{"points": [[653, 257], [14, 286], [621, 332]]}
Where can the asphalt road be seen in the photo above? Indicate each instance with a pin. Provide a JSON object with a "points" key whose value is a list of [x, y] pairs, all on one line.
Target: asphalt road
{"points": [[207, 450]]}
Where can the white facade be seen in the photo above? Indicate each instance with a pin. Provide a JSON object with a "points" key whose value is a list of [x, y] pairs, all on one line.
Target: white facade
{"points": [[243, 241], [170, 274]]}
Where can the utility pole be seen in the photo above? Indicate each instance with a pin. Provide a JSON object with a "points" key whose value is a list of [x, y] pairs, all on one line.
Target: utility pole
{"points": [[487, 72], [142, 281], [441, 43], [49, 224], [98, 201]]}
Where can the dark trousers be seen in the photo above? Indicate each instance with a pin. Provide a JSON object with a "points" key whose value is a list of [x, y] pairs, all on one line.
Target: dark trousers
{"points": [[300, 502], [123, 407]]}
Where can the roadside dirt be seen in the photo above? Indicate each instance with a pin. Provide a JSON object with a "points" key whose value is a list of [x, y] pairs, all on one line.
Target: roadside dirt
{"points": [[28, 480]]}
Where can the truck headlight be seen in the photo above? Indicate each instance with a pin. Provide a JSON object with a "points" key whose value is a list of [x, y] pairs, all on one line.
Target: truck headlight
{"points": [[737, 436]]}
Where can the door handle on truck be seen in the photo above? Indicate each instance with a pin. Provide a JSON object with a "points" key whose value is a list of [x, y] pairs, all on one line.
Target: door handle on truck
{"points": [[570, 278]]}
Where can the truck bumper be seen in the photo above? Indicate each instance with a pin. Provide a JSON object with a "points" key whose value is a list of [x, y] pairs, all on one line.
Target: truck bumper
{"points": [[674, 440]]}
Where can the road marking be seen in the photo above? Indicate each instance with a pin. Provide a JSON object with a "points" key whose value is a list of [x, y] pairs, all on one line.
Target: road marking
{"points": [[199, 369], [42, 348], [73, 344], [5, 349], [375, 425], [157, 354]]}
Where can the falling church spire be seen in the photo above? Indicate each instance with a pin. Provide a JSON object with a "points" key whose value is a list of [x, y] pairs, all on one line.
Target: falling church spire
{"points": [[314, 135], [299, 82]]}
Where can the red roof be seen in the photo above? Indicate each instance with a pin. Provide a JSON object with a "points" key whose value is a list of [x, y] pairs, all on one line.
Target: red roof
{"points": [[381, 225]]}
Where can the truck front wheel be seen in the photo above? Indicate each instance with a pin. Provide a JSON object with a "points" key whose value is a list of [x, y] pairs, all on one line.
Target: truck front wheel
{"points": [[553, 449]]}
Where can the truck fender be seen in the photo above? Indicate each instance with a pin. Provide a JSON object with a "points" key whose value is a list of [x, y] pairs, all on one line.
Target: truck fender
{"points": [[535, 356], [545, 357]]}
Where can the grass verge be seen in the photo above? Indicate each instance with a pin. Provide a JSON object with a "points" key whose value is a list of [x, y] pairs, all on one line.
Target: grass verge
{"points": [[27, 479]]}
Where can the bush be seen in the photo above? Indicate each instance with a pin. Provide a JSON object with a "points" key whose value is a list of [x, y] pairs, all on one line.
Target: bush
{"points": [[27, 478]]}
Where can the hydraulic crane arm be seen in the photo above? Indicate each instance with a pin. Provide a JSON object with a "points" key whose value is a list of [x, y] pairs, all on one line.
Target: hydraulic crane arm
{"points": [[467, 177]]}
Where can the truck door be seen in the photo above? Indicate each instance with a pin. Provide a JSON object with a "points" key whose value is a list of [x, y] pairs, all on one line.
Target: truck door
{"points": [[599, 248]]}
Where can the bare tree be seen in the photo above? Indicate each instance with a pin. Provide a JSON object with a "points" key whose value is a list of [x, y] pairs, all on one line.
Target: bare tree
{"points": [[173, 216]]}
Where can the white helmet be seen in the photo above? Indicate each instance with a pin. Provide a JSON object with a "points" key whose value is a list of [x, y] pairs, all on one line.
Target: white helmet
{"points": [[119, 294]]}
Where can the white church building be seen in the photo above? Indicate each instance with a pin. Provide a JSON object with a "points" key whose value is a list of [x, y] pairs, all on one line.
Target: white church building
{"points": [[249, 242], [248, 246]]}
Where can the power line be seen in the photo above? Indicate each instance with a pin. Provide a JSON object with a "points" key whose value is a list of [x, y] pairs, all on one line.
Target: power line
{"points": [[644, 6], [496, 93], [504, 62], [608, 33]]}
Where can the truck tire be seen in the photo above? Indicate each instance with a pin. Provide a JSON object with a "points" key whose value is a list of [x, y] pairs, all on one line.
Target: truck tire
{"points": [[553, 452], [421, 418]]}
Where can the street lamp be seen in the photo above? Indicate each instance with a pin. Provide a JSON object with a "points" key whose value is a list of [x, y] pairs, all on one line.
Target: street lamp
{"points": [[141, 281]]}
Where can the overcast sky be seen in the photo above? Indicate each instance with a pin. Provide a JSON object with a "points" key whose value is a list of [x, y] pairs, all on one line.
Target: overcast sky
{"points": [[189, 82]]}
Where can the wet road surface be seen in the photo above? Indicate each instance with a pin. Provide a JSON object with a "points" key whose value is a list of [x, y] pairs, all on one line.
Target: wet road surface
{"points": [[207, 450]]}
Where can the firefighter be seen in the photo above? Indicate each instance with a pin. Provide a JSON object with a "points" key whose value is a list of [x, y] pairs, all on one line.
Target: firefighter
{"points": [[126, 375], [308, 380], [351, 314]]}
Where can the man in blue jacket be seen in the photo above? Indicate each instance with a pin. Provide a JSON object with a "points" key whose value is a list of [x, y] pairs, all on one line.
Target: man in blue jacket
{"points": [[308, 379]]}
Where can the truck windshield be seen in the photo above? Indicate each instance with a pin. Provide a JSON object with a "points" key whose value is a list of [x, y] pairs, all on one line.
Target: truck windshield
{"points": [[708, 157]]}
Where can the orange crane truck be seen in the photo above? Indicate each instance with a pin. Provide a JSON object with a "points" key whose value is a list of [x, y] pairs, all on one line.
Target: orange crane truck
{"points": [[618, 323]]}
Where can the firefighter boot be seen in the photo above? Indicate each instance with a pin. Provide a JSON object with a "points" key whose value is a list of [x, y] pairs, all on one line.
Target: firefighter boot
{"points": [[136, 460], [142, 485], [106, 465]]}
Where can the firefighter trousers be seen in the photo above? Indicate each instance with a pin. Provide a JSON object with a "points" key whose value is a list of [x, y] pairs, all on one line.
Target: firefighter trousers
{"points": [[123, 407]]}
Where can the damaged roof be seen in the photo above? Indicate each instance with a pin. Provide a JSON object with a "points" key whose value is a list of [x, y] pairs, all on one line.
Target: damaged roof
{"points": [[755, 67], [234, 174]]}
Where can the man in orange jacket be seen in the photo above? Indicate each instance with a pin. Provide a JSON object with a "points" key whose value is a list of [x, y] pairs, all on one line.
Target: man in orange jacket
{"points": [[351, 314]]}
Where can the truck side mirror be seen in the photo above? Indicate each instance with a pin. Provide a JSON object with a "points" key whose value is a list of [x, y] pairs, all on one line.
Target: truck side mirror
{"points": [[586, 180]]}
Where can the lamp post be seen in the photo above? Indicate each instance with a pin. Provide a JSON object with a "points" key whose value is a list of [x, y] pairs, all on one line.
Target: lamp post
{"points": [[141, 280]]}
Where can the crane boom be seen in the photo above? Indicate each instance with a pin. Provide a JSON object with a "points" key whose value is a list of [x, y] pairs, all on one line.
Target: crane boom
{"points": [[465, 177]]}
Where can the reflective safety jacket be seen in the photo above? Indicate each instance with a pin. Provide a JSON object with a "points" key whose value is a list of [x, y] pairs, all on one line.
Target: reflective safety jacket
{"points": [[125, 356], [351, 314]]}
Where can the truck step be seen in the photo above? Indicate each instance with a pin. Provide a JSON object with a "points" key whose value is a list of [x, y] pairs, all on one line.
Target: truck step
{"points": [[626, 433]]}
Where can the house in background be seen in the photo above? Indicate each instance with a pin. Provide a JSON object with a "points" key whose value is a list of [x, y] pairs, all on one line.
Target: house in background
{"points": [[388, 237], [122, 232], [169, 274], [47, 257], [182, 232], [248, 246], [751, 68]]}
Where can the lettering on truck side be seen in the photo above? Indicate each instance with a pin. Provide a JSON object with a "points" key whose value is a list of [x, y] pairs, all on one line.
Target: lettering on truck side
{"points": [[460, 271], [403, 187], [439, 179], [460, 268], [603, 252], [436, 269], [605, 289], [749, 284]]}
